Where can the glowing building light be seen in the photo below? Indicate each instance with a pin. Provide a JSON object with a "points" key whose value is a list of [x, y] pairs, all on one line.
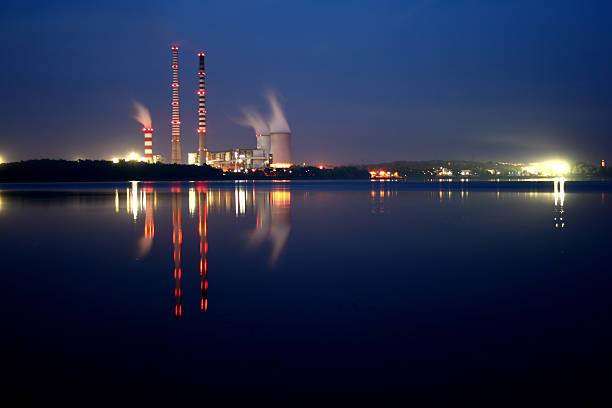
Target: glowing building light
{"points": [[132, 156], [559, 167]]}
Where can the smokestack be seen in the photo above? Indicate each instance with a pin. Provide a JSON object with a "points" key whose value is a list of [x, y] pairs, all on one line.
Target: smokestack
{"points": [[148, 143], [176, 117], [202, 112]]}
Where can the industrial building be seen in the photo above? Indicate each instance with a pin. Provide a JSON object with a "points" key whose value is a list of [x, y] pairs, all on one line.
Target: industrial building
{"points": [[238, 159], [272, 149]]}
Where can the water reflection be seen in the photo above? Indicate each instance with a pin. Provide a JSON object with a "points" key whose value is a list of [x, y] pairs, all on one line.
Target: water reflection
{"points": [[381, 190], [559, 193], [266, 213], [273, 222], [146, 242], [177, 241], [271, 210], [203, 233]]}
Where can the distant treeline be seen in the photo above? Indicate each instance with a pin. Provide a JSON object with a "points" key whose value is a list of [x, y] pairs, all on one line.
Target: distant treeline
{"points": [[100, 170], [47, 170], [477, 169], [308, 172]]}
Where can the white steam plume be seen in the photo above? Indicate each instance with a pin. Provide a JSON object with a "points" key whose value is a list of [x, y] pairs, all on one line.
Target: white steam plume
{"points": [[252, 118], [142, 114], [277, 122]]}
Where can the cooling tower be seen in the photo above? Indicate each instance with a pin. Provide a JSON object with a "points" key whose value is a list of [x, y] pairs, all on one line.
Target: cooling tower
{"points": [[263, 143], [280, 148], [148, 143]]}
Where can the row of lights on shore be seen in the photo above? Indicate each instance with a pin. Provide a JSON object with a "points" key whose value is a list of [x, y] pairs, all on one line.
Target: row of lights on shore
{"points": [[130, 157]]}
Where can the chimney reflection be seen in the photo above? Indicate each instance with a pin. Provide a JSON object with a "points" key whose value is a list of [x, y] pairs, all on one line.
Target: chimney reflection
{"points": [[271, 211], [203, 232], [147, 202], [149, 229], [177, 240]]}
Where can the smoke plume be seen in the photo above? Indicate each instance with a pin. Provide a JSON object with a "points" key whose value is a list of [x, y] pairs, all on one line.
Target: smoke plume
{"points": [[252, 118], [277, 121], [142, 114]]}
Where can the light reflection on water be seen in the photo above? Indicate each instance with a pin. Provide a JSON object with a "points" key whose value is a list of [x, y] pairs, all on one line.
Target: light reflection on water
{"points": [[272, 210], [319, 271]]}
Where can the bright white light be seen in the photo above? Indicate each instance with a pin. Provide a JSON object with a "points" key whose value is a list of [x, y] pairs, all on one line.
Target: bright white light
{"points": [[115, 160], [132, 156], [559, 167]]}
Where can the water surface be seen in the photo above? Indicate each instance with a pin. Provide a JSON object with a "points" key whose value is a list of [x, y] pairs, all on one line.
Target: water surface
{"points": [[188, 292]]}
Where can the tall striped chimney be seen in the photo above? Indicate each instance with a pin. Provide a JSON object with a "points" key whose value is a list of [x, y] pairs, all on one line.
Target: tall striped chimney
{"points": [[202, 112], [148, 144], [176, 117]]}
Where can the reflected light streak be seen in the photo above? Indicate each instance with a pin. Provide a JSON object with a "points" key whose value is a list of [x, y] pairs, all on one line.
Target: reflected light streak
{"points": [[240, 196], [149, 229], [559, 194], [202, 230], [192, 201], [135, 199], [177, 240], [273, 222]]}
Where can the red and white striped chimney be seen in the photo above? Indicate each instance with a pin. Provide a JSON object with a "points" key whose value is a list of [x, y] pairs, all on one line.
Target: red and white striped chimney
{"points": [[202, 112], [148, 144], [176, 117]]}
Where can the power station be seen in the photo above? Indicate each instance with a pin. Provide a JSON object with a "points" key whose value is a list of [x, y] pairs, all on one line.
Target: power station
{"points": [[273, 148]]}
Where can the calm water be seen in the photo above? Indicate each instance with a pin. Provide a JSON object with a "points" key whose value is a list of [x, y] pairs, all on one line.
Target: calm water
{"points": [[191, 292]]}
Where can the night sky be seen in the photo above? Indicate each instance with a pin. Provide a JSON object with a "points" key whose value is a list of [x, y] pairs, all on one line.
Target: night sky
{"points": [[360, 82]]}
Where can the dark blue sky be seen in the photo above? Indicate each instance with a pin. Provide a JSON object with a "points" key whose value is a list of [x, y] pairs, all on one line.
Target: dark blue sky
{"points": [[360, 81]]}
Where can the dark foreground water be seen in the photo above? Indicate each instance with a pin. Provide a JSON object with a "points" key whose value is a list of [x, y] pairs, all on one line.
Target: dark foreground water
{"points": [[329, 292]]}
